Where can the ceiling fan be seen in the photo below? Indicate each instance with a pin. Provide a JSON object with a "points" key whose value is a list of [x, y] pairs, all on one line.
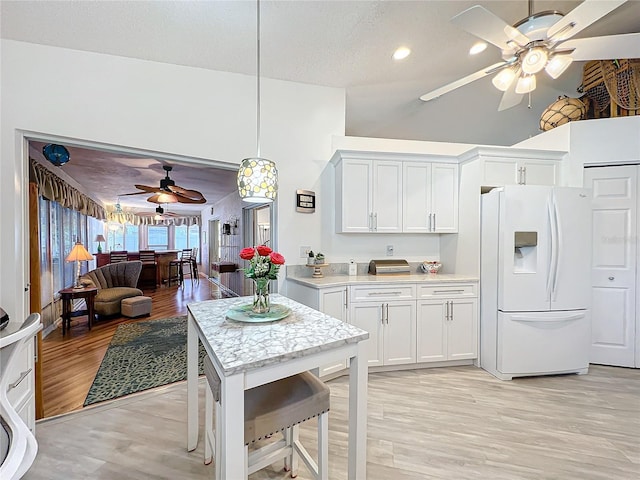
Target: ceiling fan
{"points": [[159, 214], [541, 41], [169, 192]]}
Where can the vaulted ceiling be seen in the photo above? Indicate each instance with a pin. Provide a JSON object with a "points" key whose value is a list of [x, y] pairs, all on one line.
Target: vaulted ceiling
{"points": [[335, 43]]}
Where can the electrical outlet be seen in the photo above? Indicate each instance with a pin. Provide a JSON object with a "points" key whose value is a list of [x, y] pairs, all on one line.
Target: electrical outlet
{"points": [[389, 250], [304, 252]]}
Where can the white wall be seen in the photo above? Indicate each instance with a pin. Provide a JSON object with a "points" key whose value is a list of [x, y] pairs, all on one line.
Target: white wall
{"points": [[192, 112]]}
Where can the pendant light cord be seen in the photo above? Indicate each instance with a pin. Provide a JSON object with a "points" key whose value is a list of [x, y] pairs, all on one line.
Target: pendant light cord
{"points": [[258, 77]]}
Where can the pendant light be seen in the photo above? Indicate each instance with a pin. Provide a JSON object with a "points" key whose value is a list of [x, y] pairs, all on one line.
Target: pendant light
{"points": [[258, 177]]}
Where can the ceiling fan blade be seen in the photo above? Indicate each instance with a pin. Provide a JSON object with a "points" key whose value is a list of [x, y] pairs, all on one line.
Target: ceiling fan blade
{"points": [[582, 16], [134, 193], [148, 189], [604, 48], [183, 192], [483, 24], [510, 98], [461, 82]]}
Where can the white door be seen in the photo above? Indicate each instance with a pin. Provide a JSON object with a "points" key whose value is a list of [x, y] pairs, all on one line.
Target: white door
{"points": [[614, 264], [543, 342], [333, 302], [387, 197], [368, 316], [444, 197], [400, 333], [415, 197], [524, 272], [462, 329], [431, 331], [539, 172], [571, 272], [356, 195], [499, 171]]}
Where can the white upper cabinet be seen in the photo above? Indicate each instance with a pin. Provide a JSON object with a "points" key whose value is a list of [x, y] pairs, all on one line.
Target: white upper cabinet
{"points": [[369, 196], [430, 197], [512, 166], [395, 195]]}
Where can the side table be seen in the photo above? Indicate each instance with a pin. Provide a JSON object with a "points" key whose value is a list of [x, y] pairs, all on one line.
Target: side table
{"points": [[68, 295]]}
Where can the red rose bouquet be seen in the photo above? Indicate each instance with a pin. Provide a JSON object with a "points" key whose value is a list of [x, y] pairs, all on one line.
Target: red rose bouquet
{"points": [[264, 265], [263, 262]]}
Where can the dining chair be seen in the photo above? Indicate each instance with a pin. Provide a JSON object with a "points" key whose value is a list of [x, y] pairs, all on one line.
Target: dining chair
{"points": [[276, 407], [149, 274], [118, 256], [187, 259]]}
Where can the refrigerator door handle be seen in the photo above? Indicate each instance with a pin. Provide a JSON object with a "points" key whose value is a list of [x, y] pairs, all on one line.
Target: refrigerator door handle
{"points": [[547, 318], [552, 251], [558, 248]]}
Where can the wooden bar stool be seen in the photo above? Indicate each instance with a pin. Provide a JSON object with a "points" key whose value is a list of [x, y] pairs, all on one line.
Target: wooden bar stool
{"points": [[118, 256], [278, 406]]}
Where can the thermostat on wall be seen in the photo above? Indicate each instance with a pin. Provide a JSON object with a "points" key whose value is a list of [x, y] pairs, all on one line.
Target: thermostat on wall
{"points": [[305, 201]]}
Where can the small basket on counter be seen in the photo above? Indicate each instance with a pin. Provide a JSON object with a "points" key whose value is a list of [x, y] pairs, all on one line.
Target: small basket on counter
{"points": [[431, 267]]}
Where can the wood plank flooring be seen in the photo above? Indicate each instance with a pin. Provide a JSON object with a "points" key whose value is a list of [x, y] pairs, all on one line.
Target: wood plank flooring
{"points": [[70, 363], [454, 423]]}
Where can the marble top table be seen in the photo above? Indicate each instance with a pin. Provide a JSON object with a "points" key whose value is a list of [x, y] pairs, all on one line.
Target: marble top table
{"points": [[246, 355]]}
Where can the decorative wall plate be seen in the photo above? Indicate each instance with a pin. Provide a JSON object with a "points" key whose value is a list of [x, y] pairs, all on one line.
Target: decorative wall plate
{"points": [[243, 313]]}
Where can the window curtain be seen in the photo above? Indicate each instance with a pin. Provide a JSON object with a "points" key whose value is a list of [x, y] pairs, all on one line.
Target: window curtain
{"points": [[133, 219], [53, 188]]}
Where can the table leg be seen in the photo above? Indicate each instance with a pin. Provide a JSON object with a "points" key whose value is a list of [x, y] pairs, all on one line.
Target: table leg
{"points": [[234, 464], [66, 315], [192, 384], [358, 372], [90, 310]]}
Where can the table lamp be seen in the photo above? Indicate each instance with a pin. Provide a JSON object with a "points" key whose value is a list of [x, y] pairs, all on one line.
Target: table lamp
{"points": [[78, 254], [100, 238]]}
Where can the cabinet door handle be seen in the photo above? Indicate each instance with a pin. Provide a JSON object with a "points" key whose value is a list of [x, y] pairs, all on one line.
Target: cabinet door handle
{"points": [[387, 307], [370, 225], [382, 313], [434, 222], [377, 294], [446, 292], [23, 375], [446, 311], [524, 175], [451, 312], [375, 222], [429, 220]]}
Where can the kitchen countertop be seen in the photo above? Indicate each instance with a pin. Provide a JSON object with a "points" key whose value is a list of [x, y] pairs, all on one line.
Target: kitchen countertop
{"points": [[342, 280]]}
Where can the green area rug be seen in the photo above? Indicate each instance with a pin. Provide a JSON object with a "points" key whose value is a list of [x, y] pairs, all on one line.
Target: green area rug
{"points": [[142, 355]]}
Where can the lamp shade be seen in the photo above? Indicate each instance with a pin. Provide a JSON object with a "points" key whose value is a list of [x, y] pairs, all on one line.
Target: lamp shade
{"points": [[100, 238], [257, 180], [79, 253], [526, 84]]}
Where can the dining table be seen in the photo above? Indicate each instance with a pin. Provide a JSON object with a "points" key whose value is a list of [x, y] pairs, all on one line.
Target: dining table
{"points": [[252, 351]]}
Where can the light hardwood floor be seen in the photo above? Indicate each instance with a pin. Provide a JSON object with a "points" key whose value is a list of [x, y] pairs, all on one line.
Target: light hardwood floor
{"points": [[447, 423], [70, 363]]}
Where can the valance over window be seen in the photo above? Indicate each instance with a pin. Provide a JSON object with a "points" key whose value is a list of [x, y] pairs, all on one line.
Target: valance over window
{"points": [[53, 188], [133, 219]]}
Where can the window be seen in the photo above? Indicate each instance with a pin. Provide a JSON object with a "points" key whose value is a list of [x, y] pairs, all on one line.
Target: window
{"points": [[60, 228], [123, 237], [158, 237], [187, 237]]}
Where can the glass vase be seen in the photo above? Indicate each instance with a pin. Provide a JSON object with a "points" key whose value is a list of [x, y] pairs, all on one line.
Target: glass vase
{"points": [[261, 296]]}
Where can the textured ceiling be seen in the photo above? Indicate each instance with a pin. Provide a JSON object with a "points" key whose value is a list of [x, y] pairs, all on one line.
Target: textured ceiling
{"points": [[335, 43]]}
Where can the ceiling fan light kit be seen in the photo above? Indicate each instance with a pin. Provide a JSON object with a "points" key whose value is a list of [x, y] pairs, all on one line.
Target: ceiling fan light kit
{"points": [[526, 84], [536, 43], [257, 176], [503, 80]]}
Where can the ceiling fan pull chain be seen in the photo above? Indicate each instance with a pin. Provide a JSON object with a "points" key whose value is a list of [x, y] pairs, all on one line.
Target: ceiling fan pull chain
{"points": [[529, 105]]}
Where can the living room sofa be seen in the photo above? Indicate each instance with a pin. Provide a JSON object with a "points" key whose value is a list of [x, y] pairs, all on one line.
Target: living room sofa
{"points": [[115, 282]]}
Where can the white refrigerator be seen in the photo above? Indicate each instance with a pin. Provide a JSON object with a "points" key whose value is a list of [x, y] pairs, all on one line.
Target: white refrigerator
{"points": [[535, 283]]}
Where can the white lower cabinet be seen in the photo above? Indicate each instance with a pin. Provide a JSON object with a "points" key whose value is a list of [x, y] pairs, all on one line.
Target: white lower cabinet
{"points": [[333, 301], [408, 323], [447, 329], [392, 331], [330, 300]]}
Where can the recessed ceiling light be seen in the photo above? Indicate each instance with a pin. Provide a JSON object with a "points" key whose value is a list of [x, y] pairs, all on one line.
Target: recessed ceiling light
{"points": [[477, 48], [401, 53]]}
